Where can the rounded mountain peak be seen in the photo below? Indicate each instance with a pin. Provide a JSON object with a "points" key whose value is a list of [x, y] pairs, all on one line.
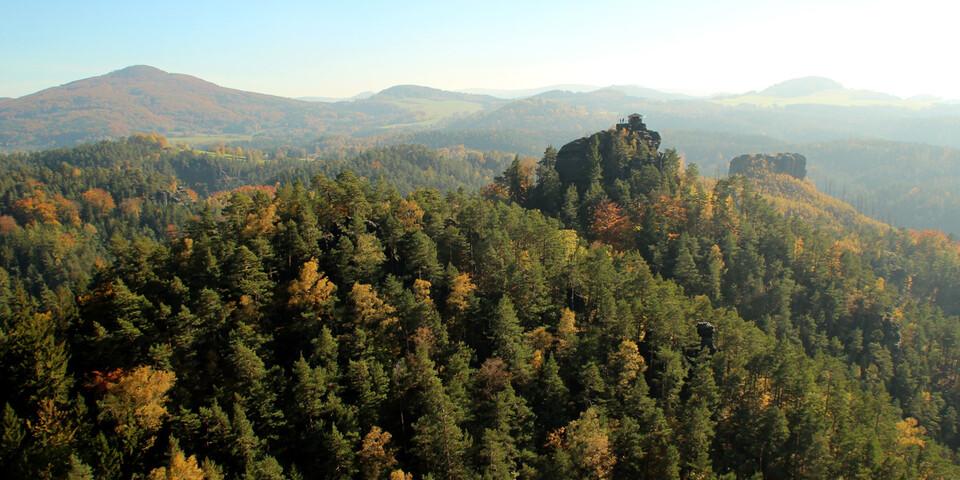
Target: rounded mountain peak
{"points": [[800, 87], [137, 72]]}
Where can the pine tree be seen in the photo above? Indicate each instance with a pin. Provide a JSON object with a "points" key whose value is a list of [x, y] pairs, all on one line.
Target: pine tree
{"points": [[628, 444], [420, 253], [246, 278], [342, 461], [548, 192], [714, 275], [696, 425], [774, 434], [518, 180], [645, 440], [79, 470], [594, 163], [11, 438], [593, 388], [685, 268], [551, 397], [35, 360], [440, 443], [506, 336], [245, 445], [370, 385], [669, 380], [570, 210], [498, 455], [254, 379], [507, 442]]}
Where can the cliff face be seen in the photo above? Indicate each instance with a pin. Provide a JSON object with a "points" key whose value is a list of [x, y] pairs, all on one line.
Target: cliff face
{"points": [[792, 164]]}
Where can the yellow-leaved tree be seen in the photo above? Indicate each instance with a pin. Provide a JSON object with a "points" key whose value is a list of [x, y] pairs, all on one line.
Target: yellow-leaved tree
{"points": [[375, 457], [628, 363], [369, 309], [136, 406], [312, 291], [566, 331], [461, 293], [400, 475], [180, 466], [586, 441], [910, 433]]}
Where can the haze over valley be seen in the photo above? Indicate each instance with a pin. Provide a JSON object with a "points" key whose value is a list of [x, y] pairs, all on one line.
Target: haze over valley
{"points": [[858, 140]]}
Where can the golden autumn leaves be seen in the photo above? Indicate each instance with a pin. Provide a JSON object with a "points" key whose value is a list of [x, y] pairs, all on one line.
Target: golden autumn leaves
{"points": [[135, 402], [314, 293], [312, 290], [181, 467], [586, 442]]}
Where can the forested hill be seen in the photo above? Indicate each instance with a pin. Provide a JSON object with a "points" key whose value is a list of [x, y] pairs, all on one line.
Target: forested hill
{"points": [[604, 313]]}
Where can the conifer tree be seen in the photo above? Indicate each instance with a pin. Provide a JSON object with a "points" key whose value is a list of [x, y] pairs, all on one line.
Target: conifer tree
{"points": [[441, 444], [570, 210], [547, 194], [507, 340], [696, 428]]}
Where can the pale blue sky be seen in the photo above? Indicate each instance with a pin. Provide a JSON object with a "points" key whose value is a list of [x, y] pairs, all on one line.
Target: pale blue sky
{"points": [[344, 47]]}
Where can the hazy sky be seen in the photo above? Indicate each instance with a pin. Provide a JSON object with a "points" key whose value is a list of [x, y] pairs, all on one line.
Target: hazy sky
{"points": [[344, 47]]}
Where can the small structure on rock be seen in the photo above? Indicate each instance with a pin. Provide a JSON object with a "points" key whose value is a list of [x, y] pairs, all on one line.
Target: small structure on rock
{"points": [[634, 123]]}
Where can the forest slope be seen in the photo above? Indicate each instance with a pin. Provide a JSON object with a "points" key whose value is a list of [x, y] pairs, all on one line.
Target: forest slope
{"points": [[603, 314]]}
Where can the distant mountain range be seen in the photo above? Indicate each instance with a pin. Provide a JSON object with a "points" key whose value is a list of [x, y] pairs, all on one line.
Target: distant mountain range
{"points": [[809, 90], [143, 98], [428, 93], [800, 87], [529, 92], [359, 96], [822, 91]]}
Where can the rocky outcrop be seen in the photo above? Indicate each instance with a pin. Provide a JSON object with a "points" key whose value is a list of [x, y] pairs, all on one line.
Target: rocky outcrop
{"points": [[757, 164], [614, 153]]}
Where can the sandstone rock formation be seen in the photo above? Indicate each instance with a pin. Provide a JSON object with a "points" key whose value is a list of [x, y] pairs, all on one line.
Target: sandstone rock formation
{"points": [[792, 164]]}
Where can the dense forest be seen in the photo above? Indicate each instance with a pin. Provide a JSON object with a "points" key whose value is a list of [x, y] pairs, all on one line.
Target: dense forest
{"points": [[605, 312]]}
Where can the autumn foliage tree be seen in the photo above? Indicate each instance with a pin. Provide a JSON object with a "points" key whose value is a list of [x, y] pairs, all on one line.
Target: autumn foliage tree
{"points": [[611, 225], [180, 466], [312, 291], [99, 199], [136, 406], [584, 444]]}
